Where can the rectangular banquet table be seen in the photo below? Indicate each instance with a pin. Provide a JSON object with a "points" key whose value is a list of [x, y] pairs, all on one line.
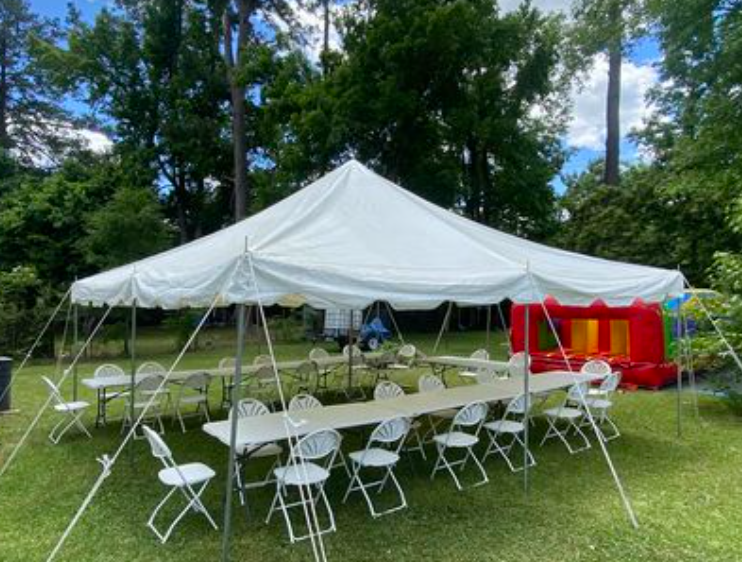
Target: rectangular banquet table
{"points": [[273, 427]]}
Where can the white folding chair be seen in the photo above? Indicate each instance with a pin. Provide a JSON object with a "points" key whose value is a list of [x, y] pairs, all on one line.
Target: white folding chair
{"points": [[72, 413], [472, 374], [404, 359], [262, 383], [227, 363], [463, 434], [193, 391], [596, 367], [189, 479], [568, 415], [304, 377], [147, 394], [302, 402], [357, 369], [387, 390], [431, 383], [381, 452], [600, 403], [308, 470], [105, 395], [249, 408], [149, 368], [510, 425], [319, 356]]}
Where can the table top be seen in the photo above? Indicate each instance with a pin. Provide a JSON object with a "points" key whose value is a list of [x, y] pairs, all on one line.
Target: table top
{"points": [[467, 362], [249, 369], [274, 426]]}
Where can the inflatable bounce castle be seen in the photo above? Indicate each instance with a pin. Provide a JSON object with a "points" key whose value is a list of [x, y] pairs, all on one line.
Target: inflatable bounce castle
{"points": [[635, 339]]}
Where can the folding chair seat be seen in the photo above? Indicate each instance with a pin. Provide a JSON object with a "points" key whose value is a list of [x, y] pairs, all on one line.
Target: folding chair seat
{"points": [[511, 427], [431, 383], [72, 412], [193, 392], [568, 416], [190, 480], [381, 452], [307, 471], [248, 408], [387, 390], [463, 434]]}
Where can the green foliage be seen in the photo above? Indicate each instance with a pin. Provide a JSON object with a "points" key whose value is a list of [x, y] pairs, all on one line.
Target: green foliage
{"points": [[23, 304], [134, 212]]}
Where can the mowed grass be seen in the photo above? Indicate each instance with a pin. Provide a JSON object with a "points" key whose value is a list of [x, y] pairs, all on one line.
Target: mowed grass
{"points": [[686, 491]]}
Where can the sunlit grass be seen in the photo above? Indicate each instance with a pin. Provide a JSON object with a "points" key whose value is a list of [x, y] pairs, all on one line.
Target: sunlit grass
{"points": [[685, 492]]}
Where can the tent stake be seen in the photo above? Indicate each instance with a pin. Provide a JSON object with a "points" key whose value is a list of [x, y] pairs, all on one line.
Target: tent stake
{"points": [[226, 535]]}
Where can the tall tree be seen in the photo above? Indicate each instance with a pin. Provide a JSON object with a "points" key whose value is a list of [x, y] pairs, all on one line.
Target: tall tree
{"points": [[32, 121], [610, 27], [455, 101]]}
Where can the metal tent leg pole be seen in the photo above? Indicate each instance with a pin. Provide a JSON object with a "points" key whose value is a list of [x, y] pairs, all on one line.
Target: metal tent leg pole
{"points": [[505, 328], [227, 533], [75, 343], [444, 327], [527, 394], [394, 322], [133, 365], [679, 367], [489, 328]]}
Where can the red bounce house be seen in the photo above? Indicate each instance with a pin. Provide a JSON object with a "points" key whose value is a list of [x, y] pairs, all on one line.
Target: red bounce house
{"points": [[633, 339]]}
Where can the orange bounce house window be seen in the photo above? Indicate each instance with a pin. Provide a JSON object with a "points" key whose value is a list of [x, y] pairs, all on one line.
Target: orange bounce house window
{"points": [[585, 336], [620, 338]]}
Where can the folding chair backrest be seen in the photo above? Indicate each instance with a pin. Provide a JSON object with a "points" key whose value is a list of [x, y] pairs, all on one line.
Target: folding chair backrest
{"points": [[306, 370], [108, 370], [390, 431], [430, 383], [262, 360], [150, 384], [596, 367], [517, 364], [471, 415], [151, 368], [407, 353], [53, 390], [577, 392], [518, 406], [303, 402], [318, 354], [320, 444], [610, 383], [160, 450], [197, 381], [480, 354], [227, 363], [264, 373], [386, 390], [250, 408]]}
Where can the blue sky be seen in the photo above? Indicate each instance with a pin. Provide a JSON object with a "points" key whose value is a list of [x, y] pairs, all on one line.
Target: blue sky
{"points": [[585, 136]]}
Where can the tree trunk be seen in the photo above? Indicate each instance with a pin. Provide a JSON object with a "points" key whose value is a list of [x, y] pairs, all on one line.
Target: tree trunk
{"points": [[613, 128], [237, 94], [326, 37], [181, 205], [4, 136]]}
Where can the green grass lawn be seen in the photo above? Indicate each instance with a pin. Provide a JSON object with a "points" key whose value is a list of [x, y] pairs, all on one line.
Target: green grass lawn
{"points": [[686, 492]]}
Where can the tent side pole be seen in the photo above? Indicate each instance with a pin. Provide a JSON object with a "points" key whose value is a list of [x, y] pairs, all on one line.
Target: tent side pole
{"points": [[132, 361], [444, 327], [75, 343], [394, 322], [505, 328], [679, 367], [227, 533], [489, 328], [526, 393]]}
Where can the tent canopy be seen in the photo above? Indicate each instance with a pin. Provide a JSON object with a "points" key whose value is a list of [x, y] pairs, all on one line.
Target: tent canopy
{"points": [[352, 238]]}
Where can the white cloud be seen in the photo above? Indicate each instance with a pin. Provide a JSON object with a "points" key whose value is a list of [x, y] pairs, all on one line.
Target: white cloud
{"points": [[587, 126], [94, 141]]}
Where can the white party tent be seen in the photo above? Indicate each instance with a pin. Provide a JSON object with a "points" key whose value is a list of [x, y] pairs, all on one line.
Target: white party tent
{"points": [[352, 238]]}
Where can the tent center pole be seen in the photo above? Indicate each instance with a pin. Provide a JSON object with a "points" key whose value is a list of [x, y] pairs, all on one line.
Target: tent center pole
{"points": [[526, 393], [679, 367], [227, 533]]}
